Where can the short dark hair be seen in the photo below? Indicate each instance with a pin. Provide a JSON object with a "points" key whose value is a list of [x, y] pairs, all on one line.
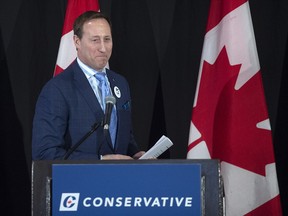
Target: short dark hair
{"points": [[85, 17]]}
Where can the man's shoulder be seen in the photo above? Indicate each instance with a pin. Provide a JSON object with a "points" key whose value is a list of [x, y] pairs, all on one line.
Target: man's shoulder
{"points": [[69, 72], [115, 75]]}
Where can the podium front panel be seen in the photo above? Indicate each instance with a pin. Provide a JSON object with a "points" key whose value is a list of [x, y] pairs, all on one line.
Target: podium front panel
{"points": [[126, 189], [211, 185]]}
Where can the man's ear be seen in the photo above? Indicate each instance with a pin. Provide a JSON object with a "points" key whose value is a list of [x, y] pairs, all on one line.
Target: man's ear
{"points": [[76, 40]]}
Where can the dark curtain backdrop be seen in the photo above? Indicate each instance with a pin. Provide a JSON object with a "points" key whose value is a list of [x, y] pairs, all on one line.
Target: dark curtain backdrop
{"points": [[157, 46]]}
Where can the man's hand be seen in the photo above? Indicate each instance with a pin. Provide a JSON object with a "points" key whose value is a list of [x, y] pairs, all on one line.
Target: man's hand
{"points": [[138, 155], [122, 157], [116, 157]]}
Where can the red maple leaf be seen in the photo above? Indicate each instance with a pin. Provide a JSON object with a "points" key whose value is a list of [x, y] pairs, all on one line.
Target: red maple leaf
{"points": [[227, 118]]}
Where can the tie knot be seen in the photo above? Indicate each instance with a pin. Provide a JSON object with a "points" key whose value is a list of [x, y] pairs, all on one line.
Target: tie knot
{"points": [[100, 76]]}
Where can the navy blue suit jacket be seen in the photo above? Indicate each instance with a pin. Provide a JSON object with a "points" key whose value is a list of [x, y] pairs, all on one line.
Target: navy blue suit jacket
{"points": [[67, 108]]}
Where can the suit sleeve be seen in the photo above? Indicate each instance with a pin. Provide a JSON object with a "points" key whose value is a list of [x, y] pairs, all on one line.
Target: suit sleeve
{"points": [[49, 124]]}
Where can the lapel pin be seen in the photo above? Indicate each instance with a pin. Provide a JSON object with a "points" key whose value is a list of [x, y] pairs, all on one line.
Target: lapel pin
{"points": [[117, 92]]}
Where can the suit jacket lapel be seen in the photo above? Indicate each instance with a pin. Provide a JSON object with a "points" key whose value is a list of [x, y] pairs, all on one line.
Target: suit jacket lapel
{"points": [[85, 89], [113, 83]]}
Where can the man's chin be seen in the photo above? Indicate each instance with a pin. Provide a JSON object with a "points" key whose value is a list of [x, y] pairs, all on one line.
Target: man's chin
{"points": [[105, 64], [99, 67]]}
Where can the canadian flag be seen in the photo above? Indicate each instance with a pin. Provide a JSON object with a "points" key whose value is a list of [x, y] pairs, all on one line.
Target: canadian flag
{"points": [[229, 118], [67, 51]]}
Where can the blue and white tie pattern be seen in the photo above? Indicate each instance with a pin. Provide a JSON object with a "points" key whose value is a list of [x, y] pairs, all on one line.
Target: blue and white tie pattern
{"points": [[104, 91]]}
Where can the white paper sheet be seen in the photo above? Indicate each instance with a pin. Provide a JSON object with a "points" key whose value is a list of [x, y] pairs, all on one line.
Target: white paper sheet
{"points": [[160, 146]]}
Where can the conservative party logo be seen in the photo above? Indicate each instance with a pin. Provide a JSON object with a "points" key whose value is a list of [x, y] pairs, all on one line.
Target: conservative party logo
{"points": [[69, 202]]}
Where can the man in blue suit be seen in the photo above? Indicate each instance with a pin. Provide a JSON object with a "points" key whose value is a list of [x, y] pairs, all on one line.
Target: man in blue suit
{"points": [[70, 103]]}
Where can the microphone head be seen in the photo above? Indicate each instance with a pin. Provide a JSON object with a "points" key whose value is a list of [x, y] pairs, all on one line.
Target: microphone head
{"points": [[110, 99]]}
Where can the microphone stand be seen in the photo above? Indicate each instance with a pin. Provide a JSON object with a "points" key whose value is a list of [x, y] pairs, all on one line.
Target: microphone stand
{"points": [[72, 149]]}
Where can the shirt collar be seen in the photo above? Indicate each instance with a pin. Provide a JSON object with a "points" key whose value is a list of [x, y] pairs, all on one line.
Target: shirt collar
{"points": [[88, 71]]}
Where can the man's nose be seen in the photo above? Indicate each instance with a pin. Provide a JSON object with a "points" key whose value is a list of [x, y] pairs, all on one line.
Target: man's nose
{"points": [[102, 47]]}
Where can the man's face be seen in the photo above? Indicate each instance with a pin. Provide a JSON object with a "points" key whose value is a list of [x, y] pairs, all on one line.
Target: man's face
{"points": [[95, 46]]}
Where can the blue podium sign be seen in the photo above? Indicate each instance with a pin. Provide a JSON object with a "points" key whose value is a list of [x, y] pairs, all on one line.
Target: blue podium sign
{"points": [[126, 189]]}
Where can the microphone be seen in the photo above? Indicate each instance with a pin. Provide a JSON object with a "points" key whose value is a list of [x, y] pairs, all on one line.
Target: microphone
{"points": [[110, 102], [74, 147]]}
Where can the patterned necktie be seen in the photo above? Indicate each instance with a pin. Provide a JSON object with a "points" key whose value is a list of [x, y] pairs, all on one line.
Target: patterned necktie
{"points": [[104, 91]]}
